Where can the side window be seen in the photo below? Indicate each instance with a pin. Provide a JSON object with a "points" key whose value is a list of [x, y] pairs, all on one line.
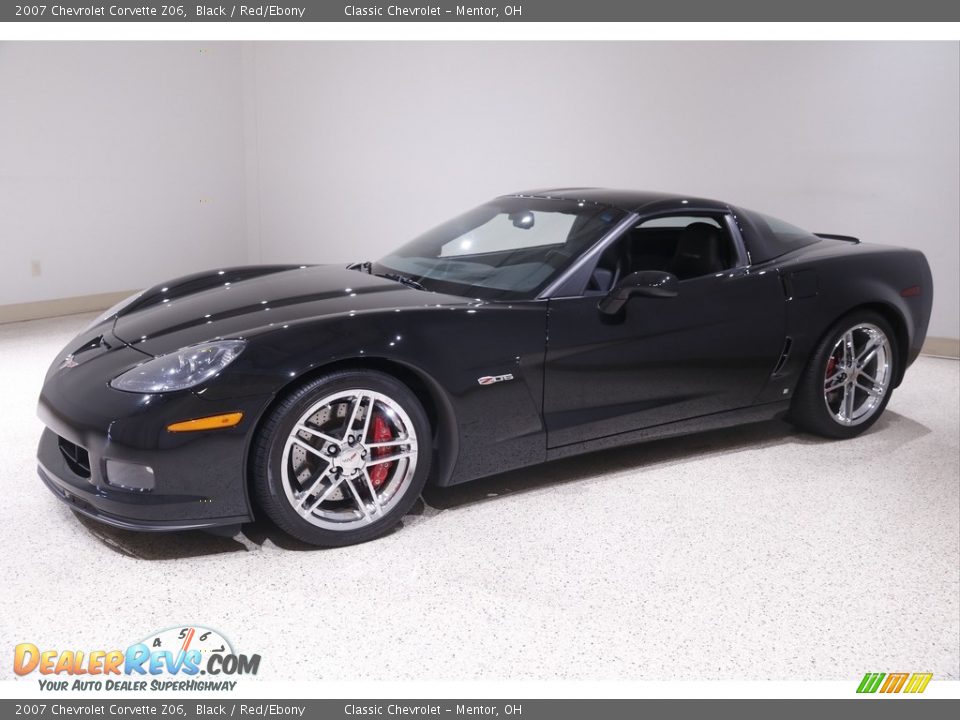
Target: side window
{"points": [[688, 246]]}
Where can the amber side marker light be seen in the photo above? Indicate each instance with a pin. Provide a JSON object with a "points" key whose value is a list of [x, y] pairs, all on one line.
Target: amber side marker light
{"points": [[213, 422]]}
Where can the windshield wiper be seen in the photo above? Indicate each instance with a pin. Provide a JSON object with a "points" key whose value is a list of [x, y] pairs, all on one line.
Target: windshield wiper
{"points": [[366, 266], [410, 282]]}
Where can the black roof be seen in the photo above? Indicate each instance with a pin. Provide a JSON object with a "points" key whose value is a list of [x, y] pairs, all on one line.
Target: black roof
{"points": [[629, 200]]}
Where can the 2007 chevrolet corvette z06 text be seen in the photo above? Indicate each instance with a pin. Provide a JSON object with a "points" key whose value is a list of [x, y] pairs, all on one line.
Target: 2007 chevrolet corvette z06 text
{"points": [[534, 327]]}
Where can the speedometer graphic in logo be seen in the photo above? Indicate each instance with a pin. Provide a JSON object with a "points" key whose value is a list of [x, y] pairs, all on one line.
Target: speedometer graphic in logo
{"points": [[186, 638]]}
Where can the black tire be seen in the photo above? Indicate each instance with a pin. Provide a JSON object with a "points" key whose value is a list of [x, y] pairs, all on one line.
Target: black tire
{"points": [[809, 409], [268, 456]]}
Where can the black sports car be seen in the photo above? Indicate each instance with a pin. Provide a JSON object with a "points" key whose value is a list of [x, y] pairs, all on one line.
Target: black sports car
{"points": [[536, 326]]}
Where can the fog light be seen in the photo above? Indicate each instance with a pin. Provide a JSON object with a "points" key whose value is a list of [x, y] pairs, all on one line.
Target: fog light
{"points": [[128, 476]]}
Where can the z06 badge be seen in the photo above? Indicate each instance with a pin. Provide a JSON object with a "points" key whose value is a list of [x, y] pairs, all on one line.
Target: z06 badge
{"points": [[491, 379]]}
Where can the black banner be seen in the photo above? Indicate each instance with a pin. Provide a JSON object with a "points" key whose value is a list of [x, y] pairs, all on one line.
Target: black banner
{"points": [[516, 11]]}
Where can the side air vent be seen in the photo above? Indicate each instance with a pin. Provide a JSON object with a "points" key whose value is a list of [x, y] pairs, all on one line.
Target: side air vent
{"points": [[784, 356], [800, 284]]}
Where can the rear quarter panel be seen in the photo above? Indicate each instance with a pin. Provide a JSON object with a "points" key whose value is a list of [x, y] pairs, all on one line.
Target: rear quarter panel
{"points": [[830, 279]]}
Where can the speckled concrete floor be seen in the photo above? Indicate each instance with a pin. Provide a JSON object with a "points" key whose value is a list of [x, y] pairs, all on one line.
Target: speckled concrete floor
{"points": [[752, 553]]}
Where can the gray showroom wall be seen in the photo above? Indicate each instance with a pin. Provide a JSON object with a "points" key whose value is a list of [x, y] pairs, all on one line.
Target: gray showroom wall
{"points": [[120, 164], [123, 164], [361, 145]]}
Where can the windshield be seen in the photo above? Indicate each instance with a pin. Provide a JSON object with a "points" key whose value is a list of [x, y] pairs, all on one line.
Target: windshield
{"points": [[510, 248]]}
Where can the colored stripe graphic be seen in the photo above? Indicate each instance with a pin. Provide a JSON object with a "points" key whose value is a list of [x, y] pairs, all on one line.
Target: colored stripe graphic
{"points": [[894, 682], [918, 683], [870, 682]]}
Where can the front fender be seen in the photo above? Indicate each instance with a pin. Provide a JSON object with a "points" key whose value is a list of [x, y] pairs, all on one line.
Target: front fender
{"points": [[498, 426]]}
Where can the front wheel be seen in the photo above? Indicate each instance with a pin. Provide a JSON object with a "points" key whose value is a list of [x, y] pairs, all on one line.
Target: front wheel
{"points": [[849, 379], [342, 458]]}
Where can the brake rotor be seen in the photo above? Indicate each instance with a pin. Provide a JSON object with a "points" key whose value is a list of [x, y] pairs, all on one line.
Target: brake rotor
{"points": [[305, 463]]}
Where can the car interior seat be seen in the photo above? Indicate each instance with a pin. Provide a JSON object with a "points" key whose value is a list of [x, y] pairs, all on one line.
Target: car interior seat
{"points": [[699, 252]]}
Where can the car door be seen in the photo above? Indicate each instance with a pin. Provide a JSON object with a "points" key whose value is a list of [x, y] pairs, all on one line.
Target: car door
{"points": [[706, 350]]}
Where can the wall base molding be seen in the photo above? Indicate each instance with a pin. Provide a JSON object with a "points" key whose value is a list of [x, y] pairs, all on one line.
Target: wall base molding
{"points": [[61, 306], [934, 346], [942, 347]]}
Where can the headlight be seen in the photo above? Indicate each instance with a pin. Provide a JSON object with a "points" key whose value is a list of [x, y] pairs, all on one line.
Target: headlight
{"points": [[180, 370], [114, 310]]}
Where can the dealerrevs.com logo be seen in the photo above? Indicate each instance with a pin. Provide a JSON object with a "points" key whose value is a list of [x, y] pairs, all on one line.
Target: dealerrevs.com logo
{"points": [[172, 659]]}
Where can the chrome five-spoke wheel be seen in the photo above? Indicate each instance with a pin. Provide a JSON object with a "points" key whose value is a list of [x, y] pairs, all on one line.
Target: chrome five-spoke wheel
{"points": [[857, 374], [849, 377], [342, 458], [348, 459]]}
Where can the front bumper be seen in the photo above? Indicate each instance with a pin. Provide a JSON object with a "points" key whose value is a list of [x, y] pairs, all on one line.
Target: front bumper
{"points": [[91, 504], [199, 477]]}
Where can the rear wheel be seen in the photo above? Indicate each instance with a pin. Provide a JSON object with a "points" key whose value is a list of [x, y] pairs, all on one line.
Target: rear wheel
{"points": [[849, 379], [342, 458]]}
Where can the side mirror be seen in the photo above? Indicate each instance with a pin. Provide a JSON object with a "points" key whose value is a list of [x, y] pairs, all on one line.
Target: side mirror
{"points": [[645, 283]]}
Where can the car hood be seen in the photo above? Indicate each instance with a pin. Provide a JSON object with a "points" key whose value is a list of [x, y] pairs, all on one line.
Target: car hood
{"points": [[245, 301]]}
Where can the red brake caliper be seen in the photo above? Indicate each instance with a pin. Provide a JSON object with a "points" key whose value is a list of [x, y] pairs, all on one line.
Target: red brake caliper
{"points": [[381, 433], [831, 365]]}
